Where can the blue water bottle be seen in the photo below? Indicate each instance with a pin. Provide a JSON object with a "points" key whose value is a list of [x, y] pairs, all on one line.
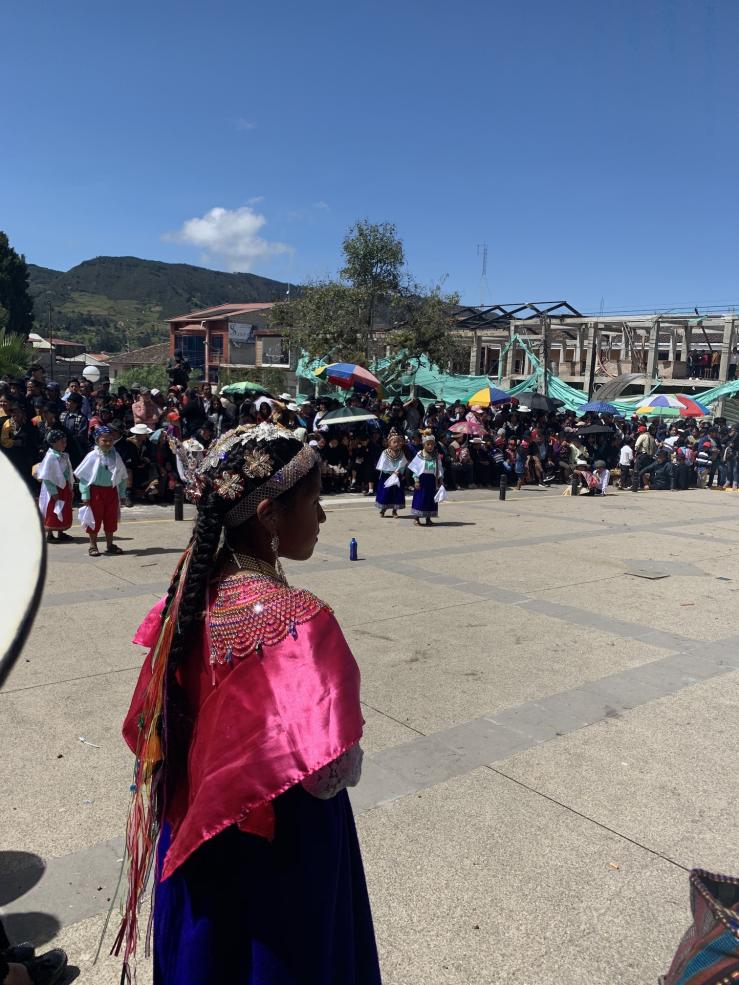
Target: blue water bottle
{"points": [[353, 549]]}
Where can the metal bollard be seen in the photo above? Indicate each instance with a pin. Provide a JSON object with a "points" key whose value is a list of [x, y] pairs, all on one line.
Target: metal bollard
{"points": [[575, 485], [635, 481], [179, 503], [503, 487]]}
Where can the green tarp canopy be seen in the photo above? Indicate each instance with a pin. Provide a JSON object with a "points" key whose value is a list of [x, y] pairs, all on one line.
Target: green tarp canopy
{"points": [[401, 374]]}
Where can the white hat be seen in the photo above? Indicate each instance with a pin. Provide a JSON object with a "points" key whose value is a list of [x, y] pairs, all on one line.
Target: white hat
{"points": [[141, 429], [292, 406], [581, 461], [155, 393], [286, 396]]}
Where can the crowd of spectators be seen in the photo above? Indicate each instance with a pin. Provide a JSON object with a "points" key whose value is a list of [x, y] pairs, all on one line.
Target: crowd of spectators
{"points": [[503, 442]]}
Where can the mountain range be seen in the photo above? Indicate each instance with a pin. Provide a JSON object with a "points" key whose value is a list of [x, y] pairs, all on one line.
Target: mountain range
{"points": [[116, 303]]}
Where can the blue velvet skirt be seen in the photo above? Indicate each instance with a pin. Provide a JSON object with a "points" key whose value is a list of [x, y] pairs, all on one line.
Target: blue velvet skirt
{"points": [[389, 499], [243, 911], [423, 499]]}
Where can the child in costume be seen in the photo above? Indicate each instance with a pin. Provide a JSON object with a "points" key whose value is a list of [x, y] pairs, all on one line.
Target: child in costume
{"points": [[246, 723], [55, 499], [391, 463], [102, 477], [429, 471]]}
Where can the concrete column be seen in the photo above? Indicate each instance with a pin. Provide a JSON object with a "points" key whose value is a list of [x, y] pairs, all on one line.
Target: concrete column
{"points": [[673, 345], [727, 344], [578, 351], [590, 356], [506, 362], [626, 351], [652, 360], [475, 355], [685, 347]]}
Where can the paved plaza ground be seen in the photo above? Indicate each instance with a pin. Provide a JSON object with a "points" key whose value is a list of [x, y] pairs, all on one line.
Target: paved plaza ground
{"points": [[550, 739]]}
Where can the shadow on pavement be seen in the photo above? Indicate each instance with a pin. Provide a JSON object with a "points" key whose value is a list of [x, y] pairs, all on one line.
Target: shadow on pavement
{"points": [[19, 872], [148, 551], [38, 928]]}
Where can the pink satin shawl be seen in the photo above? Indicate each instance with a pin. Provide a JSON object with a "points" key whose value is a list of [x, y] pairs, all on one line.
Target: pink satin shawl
{"points": [[272, 718]]}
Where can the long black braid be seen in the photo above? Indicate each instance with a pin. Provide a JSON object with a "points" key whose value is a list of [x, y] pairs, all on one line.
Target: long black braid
{"points": [[205, 542]]}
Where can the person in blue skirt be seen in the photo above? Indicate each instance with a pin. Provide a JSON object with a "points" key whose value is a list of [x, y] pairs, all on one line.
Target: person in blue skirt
{"points": [[246, 723], [391, 463], [429, 471]]}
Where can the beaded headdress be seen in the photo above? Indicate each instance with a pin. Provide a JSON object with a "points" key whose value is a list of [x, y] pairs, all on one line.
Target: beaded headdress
{"points": [[230, 485]]}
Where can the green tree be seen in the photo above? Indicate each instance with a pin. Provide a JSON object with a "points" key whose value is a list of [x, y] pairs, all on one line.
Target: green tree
{"points": [[338, 318], [14, 295], [423, 322], [153, 377], [15, 354]]}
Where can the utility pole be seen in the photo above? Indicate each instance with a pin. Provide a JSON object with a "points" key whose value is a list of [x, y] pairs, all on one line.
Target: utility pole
{"points": [[482, 251], [51, 346], [544, 322]]}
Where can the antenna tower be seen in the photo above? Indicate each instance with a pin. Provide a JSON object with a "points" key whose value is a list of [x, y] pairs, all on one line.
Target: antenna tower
{"points": [[482, 251]]}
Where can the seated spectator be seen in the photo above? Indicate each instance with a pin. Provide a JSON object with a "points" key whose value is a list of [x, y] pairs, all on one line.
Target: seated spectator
{"points": [[659, 472], [134, 453], [603, 474], [145, 411]]}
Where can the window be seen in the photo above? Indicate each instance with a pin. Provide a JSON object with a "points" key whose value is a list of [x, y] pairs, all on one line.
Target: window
{"points": [[216, 350], [193, 349], [275, 351], [241, 344]]}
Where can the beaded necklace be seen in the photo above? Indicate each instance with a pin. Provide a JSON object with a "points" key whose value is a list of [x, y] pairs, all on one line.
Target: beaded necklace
{"points": [[245, 562]]}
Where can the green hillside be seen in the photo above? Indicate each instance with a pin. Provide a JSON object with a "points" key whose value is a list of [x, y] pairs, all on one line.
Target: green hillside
{"points": [[115, 303]]}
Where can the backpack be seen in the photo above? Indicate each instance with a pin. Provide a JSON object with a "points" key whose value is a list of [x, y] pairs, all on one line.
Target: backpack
{"points": [[708, 954]]}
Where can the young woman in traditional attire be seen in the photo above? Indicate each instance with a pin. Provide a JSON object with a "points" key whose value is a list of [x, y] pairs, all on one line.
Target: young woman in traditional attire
{"points": [[102, 477], [429, 471], [246, 724], [392, 462], [57, 482]]}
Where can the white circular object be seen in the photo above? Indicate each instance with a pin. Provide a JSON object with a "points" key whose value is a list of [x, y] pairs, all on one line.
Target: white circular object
{"points": [[22, 564], [91, 374]]}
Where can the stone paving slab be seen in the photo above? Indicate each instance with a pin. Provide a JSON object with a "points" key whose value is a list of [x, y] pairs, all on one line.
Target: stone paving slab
{"points": [[662, 774], [701, 608], [483, 882], [431, 686]]}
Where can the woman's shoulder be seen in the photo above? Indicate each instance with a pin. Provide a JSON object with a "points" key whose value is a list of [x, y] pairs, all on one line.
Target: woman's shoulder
{"points": [[250, 612]]}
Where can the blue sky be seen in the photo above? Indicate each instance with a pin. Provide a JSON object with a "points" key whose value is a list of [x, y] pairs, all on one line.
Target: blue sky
{"points": [[593, 145]]}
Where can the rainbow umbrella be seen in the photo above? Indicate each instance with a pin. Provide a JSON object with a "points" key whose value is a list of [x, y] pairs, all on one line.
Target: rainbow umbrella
{"points": [[348, 375], [487, 396], [672, 405]]}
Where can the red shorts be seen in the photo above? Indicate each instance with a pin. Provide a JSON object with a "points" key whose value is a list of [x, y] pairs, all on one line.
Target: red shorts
{"points": [[105, 507]]}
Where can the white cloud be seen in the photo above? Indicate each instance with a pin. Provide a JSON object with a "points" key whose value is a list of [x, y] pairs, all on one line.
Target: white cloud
{"points": [[321, 205], [242, 124], [229, 237]]}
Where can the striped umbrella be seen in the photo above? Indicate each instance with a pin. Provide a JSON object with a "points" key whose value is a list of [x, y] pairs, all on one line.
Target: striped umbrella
{"points": [[672, 405], [348, 375], [488, 396]]}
